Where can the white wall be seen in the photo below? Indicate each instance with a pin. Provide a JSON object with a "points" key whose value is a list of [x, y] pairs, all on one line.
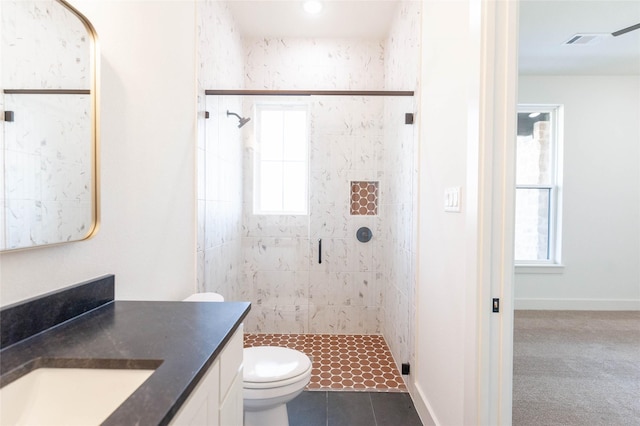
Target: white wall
{"points": [[467, 112], [147, 236], [448, 107], [601, 194]]}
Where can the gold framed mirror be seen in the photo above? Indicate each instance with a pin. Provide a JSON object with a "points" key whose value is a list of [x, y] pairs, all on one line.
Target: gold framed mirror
{"points": [[49, 135]]}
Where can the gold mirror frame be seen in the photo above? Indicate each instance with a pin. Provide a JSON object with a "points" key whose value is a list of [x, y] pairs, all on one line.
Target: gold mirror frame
{"points": [[93, 163]]}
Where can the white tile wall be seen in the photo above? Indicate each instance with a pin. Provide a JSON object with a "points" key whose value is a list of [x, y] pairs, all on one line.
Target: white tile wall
{"points": [[220, 170], [273, 63], [399, 192], [25, 25]]}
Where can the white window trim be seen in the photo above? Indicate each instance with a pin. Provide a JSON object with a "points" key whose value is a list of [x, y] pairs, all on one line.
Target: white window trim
{"points": [[279, 106], [553, 265], [549, 268]]}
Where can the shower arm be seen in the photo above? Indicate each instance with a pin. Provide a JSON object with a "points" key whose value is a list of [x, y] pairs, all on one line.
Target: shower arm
{"points": [[233, 113]]}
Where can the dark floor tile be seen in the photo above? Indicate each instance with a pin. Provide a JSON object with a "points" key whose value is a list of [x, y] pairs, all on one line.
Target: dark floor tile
{"points": [[308, 409], [392, 409], [350, 409]]}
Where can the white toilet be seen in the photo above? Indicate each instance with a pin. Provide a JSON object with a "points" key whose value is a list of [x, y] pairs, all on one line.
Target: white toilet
{"points": [[272, 377], [205, 297]]}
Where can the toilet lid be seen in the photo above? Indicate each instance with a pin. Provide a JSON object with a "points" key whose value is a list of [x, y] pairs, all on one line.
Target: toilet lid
{"points": [[270, 363]]}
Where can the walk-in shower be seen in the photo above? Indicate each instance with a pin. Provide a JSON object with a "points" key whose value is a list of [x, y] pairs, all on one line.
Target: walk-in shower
{"points": [[357, 169]]}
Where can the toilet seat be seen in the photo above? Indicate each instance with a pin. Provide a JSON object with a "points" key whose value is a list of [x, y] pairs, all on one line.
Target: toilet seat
{"points": [[271, 367]]}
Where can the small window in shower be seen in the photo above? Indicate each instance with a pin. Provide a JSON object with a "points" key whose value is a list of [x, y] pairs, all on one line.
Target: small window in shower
{"points": [[281, 167]]}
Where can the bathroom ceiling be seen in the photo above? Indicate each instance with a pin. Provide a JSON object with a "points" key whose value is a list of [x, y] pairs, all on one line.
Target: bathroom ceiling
{"points": [[544, 26], [339, 18]]}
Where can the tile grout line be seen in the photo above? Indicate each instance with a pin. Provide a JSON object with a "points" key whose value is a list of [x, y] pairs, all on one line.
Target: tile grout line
{"points": [[326, 406], [375, 420]]}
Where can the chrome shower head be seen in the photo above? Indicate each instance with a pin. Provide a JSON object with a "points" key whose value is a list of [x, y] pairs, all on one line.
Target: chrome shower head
{"points": [[242, 120]]}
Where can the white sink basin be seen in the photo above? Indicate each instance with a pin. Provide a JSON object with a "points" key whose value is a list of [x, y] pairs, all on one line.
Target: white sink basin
{"points": [[67, 396]]}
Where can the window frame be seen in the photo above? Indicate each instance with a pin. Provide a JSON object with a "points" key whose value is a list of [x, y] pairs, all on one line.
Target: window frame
{"points": [[257, 157], [554, 262]]}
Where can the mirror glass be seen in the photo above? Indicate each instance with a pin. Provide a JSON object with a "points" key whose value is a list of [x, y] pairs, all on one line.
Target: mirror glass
{"points": [[49, 124]]}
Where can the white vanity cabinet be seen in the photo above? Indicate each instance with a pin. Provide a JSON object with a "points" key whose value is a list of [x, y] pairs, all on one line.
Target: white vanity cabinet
{"points": [[231, 381], [201, 408], [217, 400]]}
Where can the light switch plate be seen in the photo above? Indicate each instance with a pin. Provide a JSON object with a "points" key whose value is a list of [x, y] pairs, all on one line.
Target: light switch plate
{"points": [[452, 199]]}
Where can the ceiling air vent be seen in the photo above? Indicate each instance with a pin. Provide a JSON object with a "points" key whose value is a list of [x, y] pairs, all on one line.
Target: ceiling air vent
{"points": [[584, 39]]}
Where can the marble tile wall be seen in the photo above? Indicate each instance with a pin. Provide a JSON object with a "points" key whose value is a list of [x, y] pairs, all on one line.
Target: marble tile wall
{"points": [[402, 67], [307, 64], [220, 167], [25, 25], [346, 146]]}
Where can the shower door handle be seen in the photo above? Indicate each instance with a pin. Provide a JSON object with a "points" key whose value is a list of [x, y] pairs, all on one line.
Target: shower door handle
{"points": [[319, 250]]}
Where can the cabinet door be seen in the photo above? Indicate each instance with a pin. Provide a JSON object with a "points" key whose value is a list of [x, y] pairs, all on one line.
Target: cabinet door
{"points": [[217, 400], [231, 408], [231, 403], [201, 408], [231, 361]]}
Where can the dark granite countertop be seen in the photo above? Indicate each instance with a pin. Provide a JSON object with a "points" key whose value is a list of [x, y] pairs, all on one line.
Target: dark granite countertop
{"points": [[181, 339]]}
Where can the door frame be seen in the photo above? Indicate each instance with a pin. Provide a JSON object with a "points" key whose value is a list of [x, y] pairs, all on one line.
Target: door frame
{"points": [[496, 214]]}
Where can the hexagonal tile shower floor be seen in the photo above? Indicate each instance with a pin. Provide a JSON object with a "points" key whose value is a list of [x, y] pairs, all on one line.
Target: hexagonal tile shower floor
{"points": [[341, 361]]}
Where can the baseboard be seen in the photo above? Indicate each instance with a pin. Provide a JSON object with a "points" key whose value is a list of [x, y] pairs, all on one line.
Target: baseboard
{"points": [[577, 304], [422, 405]]}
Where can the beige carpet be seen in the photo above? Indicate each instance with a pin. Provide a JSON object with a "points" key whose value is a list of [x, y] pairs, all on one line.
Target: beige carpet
{"points": [[576, 368]]}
